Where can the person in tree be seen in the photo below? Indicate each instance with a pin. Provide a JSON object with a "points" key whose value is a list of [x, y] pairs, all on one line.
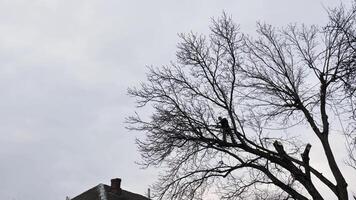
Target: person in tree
{"points": [[224, 125]]}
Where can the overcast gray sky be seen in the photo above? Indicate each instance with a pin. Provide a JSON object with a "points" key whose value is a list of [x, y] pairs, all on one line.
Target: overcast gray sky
{"points": [[65, 66]]}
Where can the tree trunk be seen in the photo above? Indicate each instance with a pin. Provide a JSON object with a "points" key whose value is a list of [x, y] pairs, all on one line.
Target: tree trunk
{"points": [[341, 185]]}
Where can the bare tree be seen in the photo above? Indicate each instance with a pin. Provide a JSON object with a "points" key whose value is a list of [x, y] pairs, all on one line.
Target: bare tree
{"points": [[293, 76]]}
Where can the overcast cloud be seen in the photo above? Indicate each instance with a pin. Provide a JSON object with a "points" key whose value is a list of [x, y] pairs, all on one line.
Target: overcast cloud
{"points": [[65, 66]]}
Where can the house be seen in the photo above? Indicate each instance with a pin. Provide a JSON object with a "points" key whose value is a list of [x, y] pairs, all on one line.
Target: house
{"points": [[112, 192]]}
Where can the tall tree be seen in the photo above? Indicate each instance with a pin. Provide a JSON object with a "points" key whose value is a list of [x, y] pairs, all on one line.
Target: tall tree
{"points": [[298, 76]]}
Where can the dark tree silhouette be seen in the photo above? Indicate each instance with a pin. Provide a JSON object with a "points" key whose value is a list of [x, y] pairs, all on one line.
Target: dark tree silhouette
{"points": [[293, 76]]}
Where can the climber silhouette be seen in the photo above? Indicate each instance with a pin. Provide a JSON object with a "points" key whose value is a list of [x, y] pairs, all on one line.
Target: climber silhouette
{"points": [[224, 125]]}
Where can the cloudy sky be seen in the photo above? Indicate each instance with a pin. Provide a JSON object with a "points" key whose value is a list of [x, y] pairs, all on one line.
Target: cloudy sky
{"points": [[65, 66]]}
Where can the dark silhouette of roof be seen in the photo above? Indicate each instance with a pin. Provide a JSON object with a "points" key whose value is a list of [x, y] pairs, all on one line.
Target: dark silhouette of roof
{"points": [[104, 192]]}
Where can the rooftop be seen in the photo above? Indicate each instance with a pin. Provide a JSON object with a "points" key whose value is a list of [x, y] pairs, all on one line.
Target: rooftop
{"points": [[105, 192]]}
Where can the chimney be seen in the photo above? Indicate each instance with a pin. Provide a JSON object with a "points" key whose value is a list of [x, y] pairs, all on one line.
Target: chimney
{"points": [[149, 193], [116, 186]]}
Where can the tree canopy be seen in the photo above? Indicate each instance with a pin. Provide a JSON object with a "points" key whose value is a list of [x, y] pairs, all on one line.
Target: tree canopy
{"points": [[294, 76]]}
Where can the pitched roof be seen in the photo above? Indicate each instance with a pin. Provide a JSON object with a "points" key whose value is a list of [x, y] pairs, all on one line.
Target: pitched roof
{"points": [[102, 192]]}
